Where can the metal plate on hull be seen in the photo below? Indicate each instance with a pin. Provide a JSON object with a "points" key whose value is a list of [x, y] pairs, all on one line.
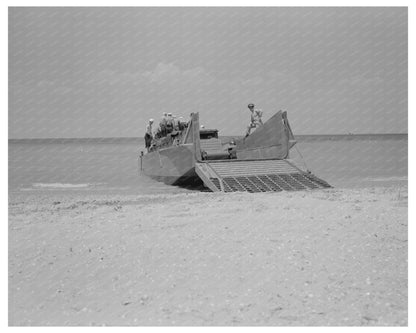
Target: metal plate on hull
{"points": [[170, 165]]}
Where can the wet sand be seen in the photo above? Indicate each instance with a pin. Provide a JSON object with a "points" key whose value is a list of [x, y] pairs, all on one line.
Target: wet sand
{"points": [[330, 257]]}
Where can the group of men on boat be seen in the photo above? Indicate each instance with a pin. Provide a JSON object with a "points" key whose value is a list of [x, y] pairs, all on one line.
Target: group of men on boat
{"points": [[169, 124]]}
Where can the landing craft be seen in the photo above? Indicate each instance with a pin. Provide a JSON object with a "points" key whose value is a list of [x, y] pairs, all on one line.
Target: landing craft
{"points": [[257, 163]]}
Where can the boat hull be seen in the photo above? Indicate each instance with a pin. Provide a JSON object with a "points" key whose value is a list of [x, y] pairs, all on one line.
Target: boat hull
{"points": [[172, 166]]}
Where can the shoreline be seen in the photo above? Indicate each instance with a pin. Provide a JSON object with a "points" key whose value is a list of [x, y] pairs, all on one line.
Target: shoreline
{"points": [[158, 188], [327, 257]]}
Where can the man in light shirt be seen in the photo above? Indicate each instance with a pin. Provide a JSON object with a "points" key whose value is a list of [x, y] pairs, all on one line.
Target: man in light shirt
{"points": [[255, 118]]}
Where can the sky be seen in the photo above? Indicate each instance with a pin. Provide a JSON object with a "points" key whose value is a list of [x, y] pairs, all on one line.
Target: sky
{"points": [[103, 72]]}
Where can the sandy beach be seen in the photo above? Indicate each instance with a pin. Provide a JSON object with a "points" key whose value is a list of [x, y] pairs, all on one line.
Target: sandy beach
{"points": [[327, 257]]}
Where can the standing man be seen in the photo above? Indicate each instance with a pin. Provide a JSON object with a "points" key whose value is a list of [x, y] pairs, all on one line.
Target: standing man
{"points": [[169, 123], [148, 137], [162, 124], [255, 118]]}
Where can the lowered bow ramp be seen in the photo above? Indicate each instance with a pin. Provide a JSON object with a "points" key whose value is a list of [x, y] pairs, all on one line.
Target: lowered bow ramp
{"points": [[256, 176]]}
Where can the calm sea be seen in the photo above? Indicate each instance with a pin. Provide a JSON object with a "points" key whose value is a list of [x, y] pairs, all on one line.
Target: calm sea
{"points": [[106, 165]]}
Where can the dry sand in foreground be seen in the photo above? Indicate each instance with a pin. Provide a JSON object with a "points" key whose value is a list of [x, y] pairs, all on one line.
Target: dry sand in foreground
{"points": [[333, 257]]}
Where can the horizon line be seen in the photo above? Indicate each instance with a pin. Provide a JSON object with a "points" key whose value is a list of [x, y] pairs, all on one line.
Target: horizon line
{"points": [[139, 137]]}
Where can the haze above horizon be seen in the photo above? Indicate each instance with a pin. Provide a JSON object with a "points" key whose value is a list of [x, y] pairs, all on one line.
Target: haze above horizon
{"points": [[103, 72]]}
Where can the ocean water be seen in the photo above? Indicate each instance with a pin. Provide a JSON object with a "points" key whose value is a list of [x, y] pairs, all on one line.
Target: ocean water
{"points": [[112, 165], [355, 160]]}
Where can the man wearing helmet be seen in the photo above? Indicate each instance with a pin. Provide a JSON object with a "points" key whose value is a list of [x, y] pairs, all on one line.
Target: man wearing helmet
{"points": [[255, 118], [162, 124], [148, 137], [169, 123]]}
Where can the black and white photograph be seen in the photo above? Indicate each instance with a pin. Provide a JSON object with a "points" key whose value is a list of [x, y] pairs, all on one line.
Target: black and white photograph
{"points": [[207, 166]]}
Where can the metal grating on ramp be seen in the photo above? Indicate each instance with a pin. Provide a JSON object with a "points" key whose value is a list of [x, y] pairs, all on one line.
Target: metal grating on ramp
{"points": [[242, 168], [270, 183], [256, 176]]}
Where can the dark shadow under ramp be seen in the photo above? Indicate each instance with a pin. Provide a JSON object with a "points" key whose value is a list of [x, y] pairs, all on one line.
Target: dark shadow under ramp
{"points": [[271, 175]]}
